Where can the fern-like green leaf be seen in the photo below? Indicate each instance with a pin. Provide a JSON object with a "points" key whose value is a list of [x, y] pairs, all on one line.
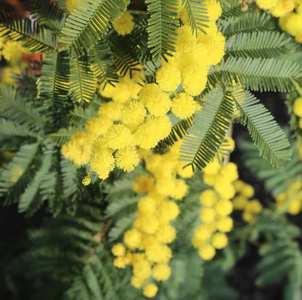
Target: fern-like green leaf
{"points": [[80, 115], [178, 130], [121, 226], [9, 129], [82, 83], [247, 23], [15, 108], [96, 17], [162, 26], [257, 44], [264, 130], [34, 37], [208, 130], [258, 74], [27, 198], [54, 79], [92, 283], [197, 14], [47, 12], [63, 135]]}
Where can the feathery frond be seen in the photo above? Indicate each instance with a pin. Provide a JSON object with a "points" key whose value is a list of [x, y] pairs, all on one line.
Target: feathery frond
{"points": [[264, 130], [55, 78], [34, 37], [9, 129], [197, 14], [63, 135], [162, 26], [208, 130], [92, 21]]}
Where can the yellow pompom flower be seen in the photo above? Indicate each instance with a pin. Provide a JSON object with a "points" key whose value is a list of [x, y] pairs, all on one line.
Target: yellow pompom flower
{"points": [[183, 106], [11, 51], [165, 233], [142, 268], [98, 126], [206, 252], [240, 202], [132, 238], [119, 262], [146, 206], [180, 189], [86, 180], [282, 8], [208, 198], [110, 110], [150, 290], [147, 224], [127, 158], [168, 210], [294, 24], [248, 217], [224, 224], [186, 172], [107, 91], [223, 207], [238, 185], [124, 25], [207, 215], [202, 234], [102, 162], [229, 172], [294, 207], [213, 167], [118, 250], [168, 77], [194, 80], [248, 191], [133, 113], [143, 184], [118, 137], [159, 253], [253, 206], [214, 10], [266, 4], [224, 188], [219, 240], [298, 107], [161, 272], [137, 282]]}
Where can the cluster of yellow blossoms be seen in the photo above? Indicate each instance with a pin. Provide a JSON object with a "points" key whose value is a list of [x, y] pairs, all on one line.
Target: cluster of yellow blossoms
{"points": [[136, 117], [298, 109], [146, 244], [250, 208], [293, 198], [12, 53], [216, 208], [290, 13]]}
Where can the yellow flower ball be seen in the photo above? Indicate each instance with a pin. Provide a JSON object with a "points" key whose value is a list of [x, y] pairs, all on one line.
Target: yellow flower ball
{"points": [[118, 250], [247, 191], [213, 167], [240, 202], [219, 240], [161, 272], [119, 262], [214, 10], [194, 80], [111, 110], [133, 113], [298, 107], [266, 4], [124, 25], [142, 268], [208, 198], [253, 206], [166, 233], [147, 223], [102, 162], [127, 159], [183, 106], [294, 207], [158, 253], [224, 224], [143, 184], [168, 77], [206, 252], [229, 172], [168, 211], [118, 136], [248, 217], [146, 206], [207, 215], [98, 126], [86, 180], [180, 189], [223, 207], [186, 172], [282, 8], [202, 234], [238, 185], [132, 238], [137, 281], [150, 290], [294, 24]]}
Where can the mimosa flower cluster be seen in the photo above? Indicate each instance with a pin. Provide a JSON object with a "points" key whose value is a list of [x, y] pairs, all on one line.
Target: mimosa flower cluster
{"points": [[292, 198], [136, 115], [250, 207], [145, 246], [298, 109], [289, 13], [216, 208]]}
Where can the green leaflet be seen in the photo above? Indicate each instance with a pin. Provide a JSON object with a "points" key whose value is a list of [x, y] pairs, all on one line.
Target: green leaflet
{"points": [[89, 22], [208, 130], [264, 130]]}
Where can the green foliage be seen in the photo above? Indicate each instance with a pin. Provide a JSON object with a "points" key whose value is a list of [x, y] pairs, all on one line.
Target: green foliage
{"points": [[264, 130], [276, 180], [95, 17], [197, 14], [29, 32], [208, 129], [162, 26]]}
